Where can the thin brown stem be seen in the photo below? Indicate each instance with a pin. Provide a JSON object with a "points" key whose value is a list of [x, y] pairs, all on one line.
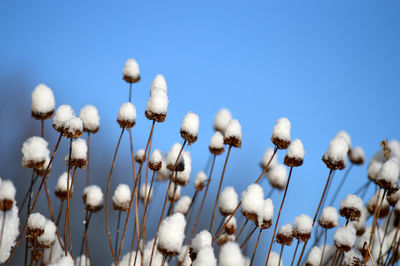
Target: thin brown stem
{"points": [[60, 212], [395, 245], [2, 227], [68, 196], [42, 128], [255, 248], [88, 160], [323, 248], [130, 91], [295, 252], [171, 205], [280, 255], [28, 209], [279, 215], [117, 232], [335, 258], [340, 185], [85, 233], [107, 195], [248, 237], [242, 228]]}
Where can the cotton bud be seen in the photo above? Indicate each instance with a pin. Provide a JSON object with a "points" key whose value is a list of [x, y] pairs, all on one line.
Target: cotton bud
{"points": [[295, 154], [182, 177], [233, 134], [61, 188], [267, 215], [230, 227], [285, 235], [131, 72], [174, 192], [73, 128], [63, 114], [357, 156], [157, 105], [216, 146], [253, 203], [7, 195], [225, 238], [200, 181], [93, 198], [351, 207], [36, 224], [281, 133], [47, 239], [155, 161], [314, 259], [78, 153], [171, 234], [140, 156], [121, 197], [144, 193], [190, 127], [335, 157], [302, 228], [222, 119], [34, 152], [267, 157], [329, 218], [231, 255], [228, 201], [43, 102], [388, 175], [277, 176], [385, 208], [126, 115], [183, 205], [90, 118], [345, 238]]}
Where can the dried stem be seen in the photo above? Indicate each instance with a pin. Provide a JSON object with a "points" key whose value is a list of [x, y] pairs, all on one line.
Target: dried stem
{"points": [[85, 234], [340, 185], [171, 205], [117, 232], [88, 160], [68, 196], [242, 228], [323, 248], [248, 237], [334, 258], [255, 248], [60, 212], [28, 209], [280, 255], [384, 234], [219, 189], [2, 227], [279, 215], [295, 252]]}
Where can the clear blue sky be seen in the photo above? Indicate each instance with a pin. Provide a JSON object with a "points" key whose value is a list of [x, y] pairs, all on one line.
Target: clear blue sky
{"points": [[326, 65]]}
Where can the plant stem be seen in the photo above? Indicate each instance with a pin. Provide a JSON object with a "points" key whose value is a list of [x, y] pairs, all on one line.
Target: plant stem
{"points": [[255, 248], [242, 228], [2, 227], [60, 212], [68, 196], [334, 258], [28, 209], [340, 185], [295, 252], [323, 248], [88, 160], [117, 232], [248, 237]]}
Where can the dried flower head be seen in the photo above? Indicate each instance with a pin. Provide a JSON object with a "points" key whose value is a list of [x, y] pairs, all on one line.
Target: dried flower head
{"points": [[63, 114], [230, 227], [267, 215], [267, 157], [314, 258], [140, 156], [7, 195], [357, 156], [90, 118], [93, 198], [171, 235], [329, 218], [388, 175], [302, 227], [295, 154], [121, 197], [159, 83], [222, 119], [131, 72], [277, 176], [183, 205], [351, 207], [200, 181], [78, 153], [43, 102], [345, 238], [253, 203], [335, 157], [126, 115], [285, 235], [73, 128], [61, 187], [145, 194], [216, 145], [190, 127], [174, 192], [228, 201], [385, 208], [47, 239], [34, 152], [281, 133], [36, 224], [233, 134], [157, 105], [155, 161]]}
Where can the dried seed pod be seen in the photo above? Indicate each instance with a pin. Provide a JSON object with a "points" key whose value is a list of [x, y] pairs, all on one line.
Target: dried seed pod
{"points": [[73, 128], [329, 218], [228, 201], [121, 197], [285, 235], [216, 145], [131, 73], [34, 152], [233, 134], [356, 156], [302, 227], [190, 127], [36, 225], [281, 133], [126, 115], [351, 207], [230, 227], [63, 114], [335, 157], [93, 198], [225, 238], [43, 102], [345, 238], [222, 119], [7, 195], [90, 119], [295, 154], [200, 181], [155, 162]]}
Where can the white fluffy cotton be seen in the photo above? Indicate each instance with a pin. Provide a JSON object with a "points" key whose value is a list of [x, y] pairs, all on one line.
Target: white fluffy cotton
{"points": [[253, 201], [302, 224], [281, 129], [357, 154], [42, 100], [343, 134], [190, 124], [389, 172], [274, 259], [82, 260], [337, 151], [183, 204], [7, 190], [173, 154], [296, 150], [184, 257], [155, 157], [10, 232], [90, 118], [73, 125], [172, 233], [201, 240], [36, 221], [62, 183], [222, 119], [49, 235], [78, 150], [231, 255], [267, 156], [144, 192], [122, 195], [352, 201], [157, 256], [130, 256], [268, 210], [164, 173], [205, 257], [94, 196], [373, 169], [158, 102], [329, 216], [34, 151], [277, 176], [314, 258], [63, 114], [159, 83], [286, 230], [228, 200], [233, 130], [64, 261], [183, 177], [345, 236], [140, 156], [351, 257], [200, 179], [217, 141], [174, 193], [127, 112], [131, 69]]}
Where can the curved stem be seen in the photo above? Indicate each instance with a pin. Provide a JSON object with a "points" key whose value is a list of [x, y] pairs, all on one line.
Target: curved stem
{"points": [[255, 248]]}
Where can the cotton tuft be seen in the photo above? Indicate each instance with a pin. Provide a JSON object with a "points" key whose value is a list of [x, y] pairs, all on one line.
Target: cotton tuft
{"points": [[216, 145], [10, 231], [314, 259], [43, 102], [173, 155], [140, 156], [127, 115], [351, 207], [171, 234], [295, 154], [157, 105], [93, 198], [34, 152], [144, 193], [222, 119], [121, 197], [233, 134], [200, 180], [357, 156], [201, 240], [277, 176], [131, 73], [253, 203], [329, 218], [159, 83], [183, 205], [302, 228], [205, 257], [90, 118], [63, 114], [155, 162], [335, 157], [231, 255], [343, 134], [228, 201], [73, 127], [274, 259], [47, 239], [345, 237], [61, 187], [281, 133], [388, 175]]}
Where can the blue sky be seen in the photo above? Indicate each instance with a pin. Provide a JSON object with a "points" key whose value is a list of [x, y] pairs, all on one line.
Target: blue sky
{"points": [[326, 65]]}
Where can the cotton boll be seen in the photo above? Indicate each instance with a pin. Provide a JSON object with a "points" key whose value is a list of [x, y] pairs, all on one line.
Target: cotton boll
{"points": [[357, 156], [126, 115], [228, 201], [385, 208], [171, 234], [140, 156], [43, 102], [82, 260], [157, 105], [281, 133], [302, 228], [267, 215], [199, 182], [173, 156], [388, 175], [202, 239], [155, 161], [7, 195], [295, 154], [373, 169], [274, 260], [144, 193], [90, 118], [329, 218], [205, 257], [222, 119], [78, 153], [190, 127], [10, 231], [61, 187], [73, 128], [233, 134], [346, 137], [231, 255], [277, 176], [351, 207], [216, 145], [335, 157], [394, 147], [230, 227], [183, 205], [63, 114], [182, 177], [159, 83], [174, 193], [121, 197], [345, 238], [285, 235], [314, 259], [93, 198], [36, 224], [47, 239], [131, 73], [184, 257], [253, 203], [64, 261], [34, 152], [267, 157]]}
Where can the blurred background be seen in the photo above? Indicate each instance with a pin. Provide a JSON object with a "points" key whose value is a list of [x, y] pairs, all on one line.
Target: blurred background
{"points": [[327, 66]]}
